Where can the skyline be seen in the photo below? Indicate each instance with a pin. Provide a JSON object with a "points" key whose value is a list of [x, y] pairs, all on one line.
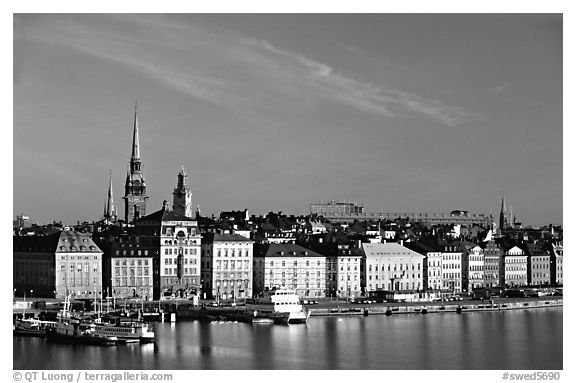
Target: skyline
{"points": [[395, 111]]}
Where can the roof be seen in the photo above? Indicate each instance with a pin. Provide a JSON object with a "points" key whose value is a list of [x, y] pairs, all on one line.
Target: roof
{"points": [[374, 250], [66, 241], [214, 237], [422, 248], [162, 215], [284, 250]]}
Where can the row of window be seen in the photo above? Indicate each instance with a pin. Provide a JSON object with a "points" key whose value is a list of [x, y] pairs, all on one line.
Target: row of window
{"points": [[133, 281], [174, 271], [132, 271], [185, 251], [131, 262], [173, 261], [395, 267]]}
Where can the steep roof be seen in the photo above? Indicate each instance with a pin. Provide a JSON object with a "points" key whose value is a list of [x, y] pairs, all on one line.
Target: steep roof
{"points": [[66, 241], [285, 250]]}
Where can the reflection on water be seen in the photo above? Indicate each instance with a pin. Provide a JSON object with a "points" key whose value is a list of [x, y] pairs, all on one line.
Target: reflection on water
{"points": [[523, 339]]}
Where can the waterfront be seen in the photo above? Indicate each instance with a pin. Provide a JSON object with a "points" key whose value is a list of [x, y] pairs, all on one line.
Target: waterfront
{"points": [[520, 339]]}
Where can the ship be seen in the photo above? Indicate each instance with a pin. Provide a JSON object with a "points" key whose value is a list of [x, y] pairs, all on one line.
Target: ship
{"points": [[279, 304], [32, 327]]}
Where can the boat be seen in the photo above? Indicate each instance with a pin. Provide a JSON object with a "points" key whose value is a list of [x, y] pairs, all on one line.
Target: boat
{"points": [[279, 304], [32, 327], [126, 329], [70, 329]]}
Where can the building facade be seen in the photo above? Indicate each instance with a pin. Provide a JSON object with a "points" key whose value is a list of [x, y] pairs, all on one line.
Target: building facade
{"points": [[557, 264], [57, 265], [392, 267], [290, 266], [130, 267], [226, 266], [178, 242], [514, 268], [451, 269], [473, 268], [492, 256], [539, 265]]}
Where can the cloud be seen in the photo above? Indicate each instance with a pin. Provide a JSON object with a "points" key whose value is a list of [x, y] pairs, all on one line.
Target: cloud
{"points": [[362, 95], [227, 68]]}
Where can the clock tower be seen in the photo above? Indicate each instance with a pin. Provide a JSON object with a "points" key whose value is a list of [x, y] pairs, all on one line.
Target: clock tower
{"points": [[182, 196]]}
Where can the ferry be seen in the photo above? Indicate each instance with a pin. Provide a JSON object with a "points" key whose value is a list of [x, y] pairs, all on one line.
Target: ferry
{"points": [[279, 304], [127, 330]]}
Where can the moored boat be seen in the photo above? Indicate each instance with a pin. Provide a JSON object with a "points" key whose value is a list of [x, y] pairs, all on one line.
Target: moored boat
{"points": [[281, 305], [32, 327]]}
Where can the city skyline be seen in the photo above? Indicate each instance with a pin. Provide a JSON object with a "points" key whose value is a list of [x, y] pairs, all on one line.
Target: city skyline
{"points": [[274, 112]]}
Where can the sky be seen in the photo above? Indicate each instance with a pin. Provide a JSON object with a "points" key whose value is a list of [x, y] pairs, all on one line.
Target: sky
{"points": [[273, 112]]}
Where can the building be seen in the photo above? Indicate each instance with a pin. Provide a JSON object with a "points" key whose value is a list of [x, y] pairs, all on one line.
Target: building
{"points": [[129, 268], [226, 266], [472, 266], [177, 241], [135, 187], [392, 267], [344, 271], [432, 281], [290, 266], [557, 269], [492, 256], [336, 208], [182, 202], [451, 269], [57, 265], [514, 267], [539, 264]]}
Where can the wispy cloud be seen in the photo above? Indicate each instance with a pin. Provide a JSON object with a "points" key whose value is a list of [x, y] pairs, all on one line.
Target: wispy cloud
{"points": [[229, 69], [362, 95]]}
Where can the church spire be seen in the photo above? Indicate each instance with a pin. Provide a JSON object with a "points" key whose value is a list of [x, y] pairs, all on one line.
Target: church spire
{"points": [[110, 208], [135, 137], [135, 188], [503, 214]]}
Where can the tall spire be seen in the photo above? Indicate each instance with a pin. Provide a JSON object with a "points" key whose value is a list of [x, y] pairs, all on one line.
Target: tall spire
{"points": [[135, 138], [135, 188], [110, 208], [503, 223]]}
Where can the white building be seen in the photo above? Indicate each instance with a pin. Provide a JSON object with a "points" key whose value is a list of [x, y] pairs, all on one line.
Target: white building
{"points": [[451, 269], [392, 267], [227, 266]]}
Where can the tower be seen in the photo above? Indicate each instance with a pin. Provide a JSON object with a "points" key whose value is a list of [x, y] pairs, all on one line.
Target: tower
{"points": [[504, 222], [135, 189], [182, 196], [110, 214]]}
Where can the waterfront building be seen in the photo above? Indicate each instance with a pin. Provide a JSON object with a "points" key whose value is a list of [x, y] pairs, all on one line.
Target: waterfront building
{"points": [[290, 266], [53, 266], [392, 267], [492, 256], [539, 263], [472, 266], [451, 269], [176, 239], [135, 187], [514, 267], [432, 281], [345, 270], [226, 266], [182, 202], [129, 266], [557, 263]]}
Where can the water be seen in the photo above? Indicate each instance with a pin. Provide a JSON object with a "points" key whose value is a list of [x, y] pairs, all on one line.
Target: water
{"points": [[522, 339]]}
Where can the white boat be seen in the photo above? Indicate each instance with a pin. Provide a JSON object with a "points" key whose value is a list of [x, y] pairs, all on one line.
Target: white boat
{"points": [[130, 331], [281, 305], [32, 327]]}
